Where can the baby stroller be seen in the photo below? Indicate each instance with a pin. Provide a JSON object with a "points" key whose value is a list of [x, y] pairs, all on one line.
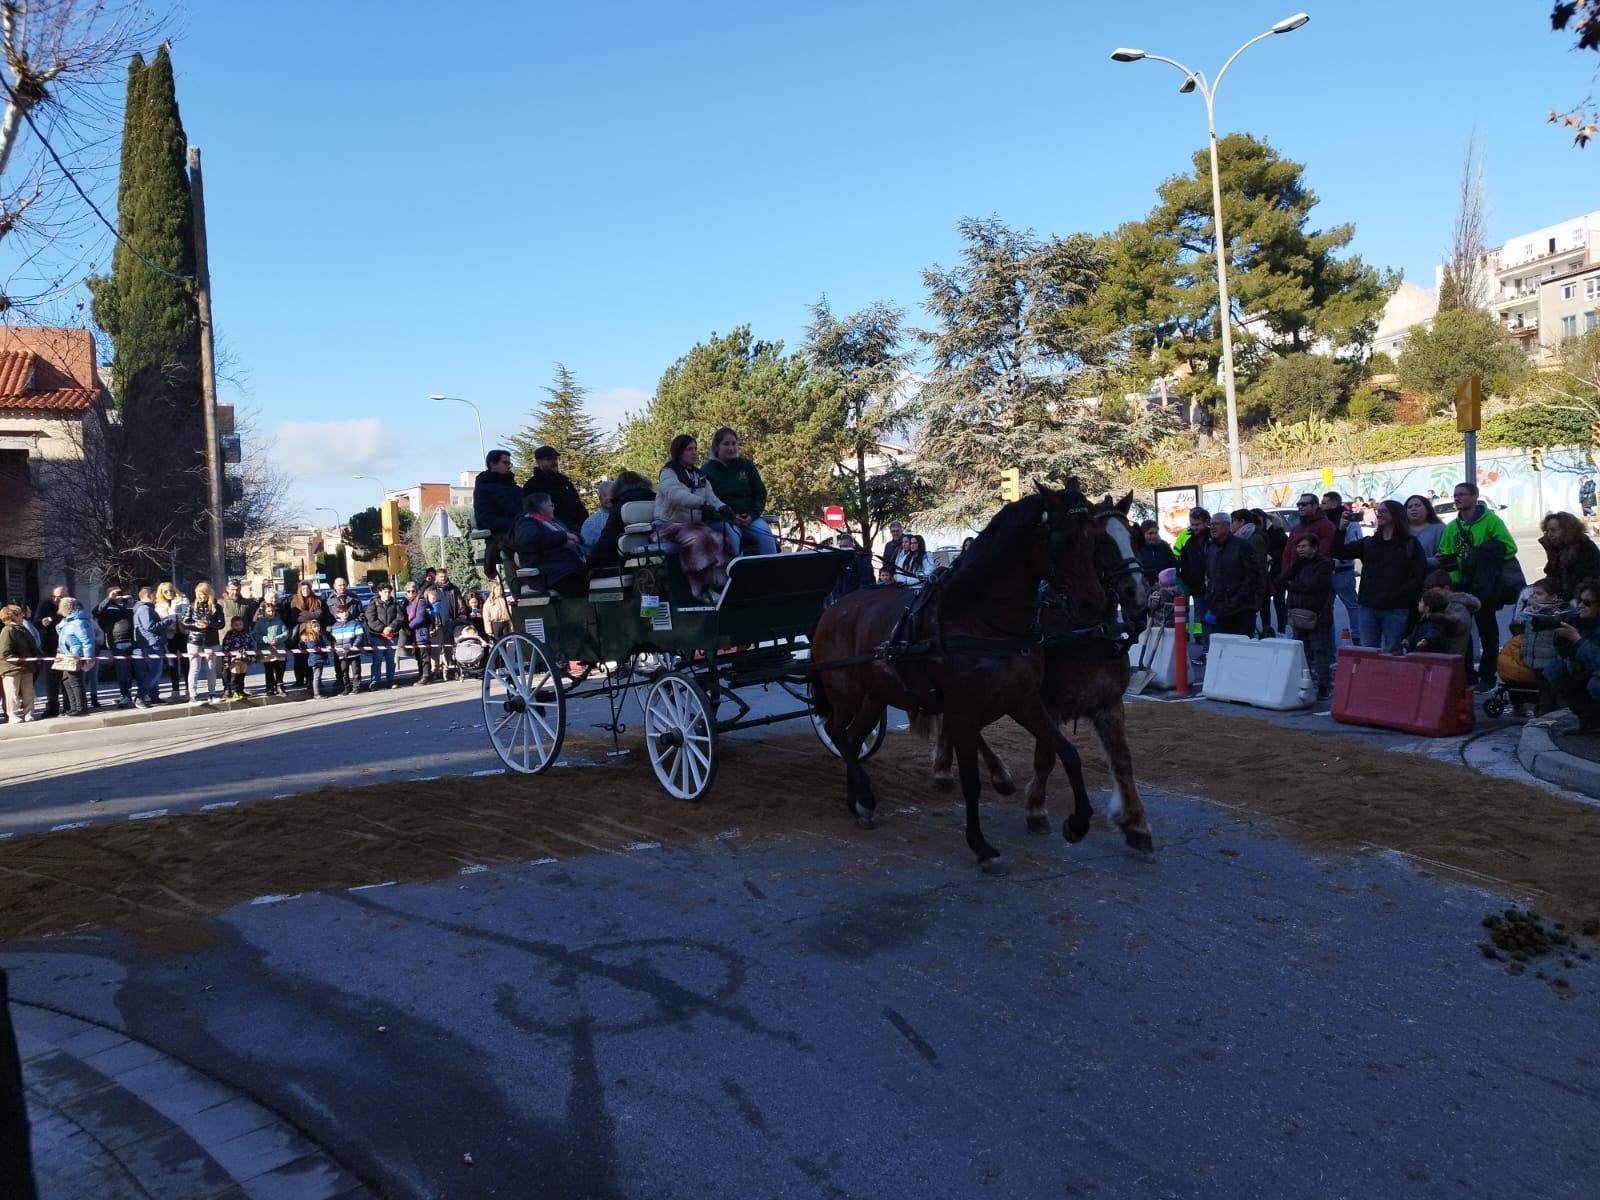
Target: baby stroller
{"points": [[1515, 683], [471, 651]]}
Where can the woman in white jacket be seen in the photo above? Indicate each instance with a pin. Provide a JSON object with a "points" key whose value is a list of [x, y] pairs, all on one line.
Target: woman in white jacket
{"points": [[686, 508]]}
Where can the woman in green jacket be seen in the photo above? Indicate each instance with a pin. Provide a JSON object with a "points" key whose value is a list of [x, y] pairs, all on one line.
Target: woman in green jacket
{"points": [[738, 484]]}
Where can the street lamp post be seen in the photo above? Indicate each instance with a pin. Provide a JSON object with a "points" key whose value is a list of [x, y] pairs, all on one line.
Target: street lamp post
{"points": [[1192, 81], [476, 415], [344, 542]]}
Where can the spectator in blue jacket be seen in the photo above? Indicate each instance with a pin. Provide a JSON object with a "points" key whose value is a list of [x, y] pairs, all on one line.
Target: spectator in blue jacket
{"points": [[150, 633], [1574, 674], [76, 642]]}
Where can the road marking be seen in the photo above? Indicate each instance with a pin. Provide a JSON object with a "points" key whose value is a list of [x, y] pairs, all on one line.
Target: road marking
{"points": [[539, 862], [472, 869], [4, 836], [643, 846], [275, 899], [145, 816], [367, 887], [426, 778], [69, 825], [490, 771], [220, 804], [726, 834]]}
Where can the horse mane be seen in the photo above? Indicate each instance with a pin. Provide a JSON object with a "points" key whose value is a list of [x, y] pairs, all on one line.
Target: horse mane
{"points": [[996, 550]]}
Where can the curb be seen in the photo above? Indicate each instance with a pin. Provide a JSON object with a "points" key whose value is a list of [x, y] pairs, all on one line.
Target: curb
{"points": [[115, 1118], [119, 717], [1542, 758]]}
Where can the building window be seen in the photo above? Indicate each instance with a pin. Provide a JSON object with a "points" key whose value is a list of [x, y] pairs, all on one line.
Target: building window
{"points": [[1591, 289], [1569, 291], [1591, 319], [1569, 326]]}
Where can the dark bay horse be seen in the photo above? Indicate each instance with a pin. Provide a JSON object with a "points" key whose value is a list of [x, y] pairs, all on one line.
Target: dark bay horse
{"points": [[975, 656], [1085, 681]]}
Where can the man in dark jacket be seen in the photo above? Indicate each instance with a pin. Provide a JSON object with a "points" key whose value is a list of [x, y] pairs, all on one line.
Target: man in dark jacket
{"points": [[49, 620], [548, 479], [1155, 556], [628, 488], [114, 615], [1192, 557], [385, 619], [496, 505], [1235, 575]]}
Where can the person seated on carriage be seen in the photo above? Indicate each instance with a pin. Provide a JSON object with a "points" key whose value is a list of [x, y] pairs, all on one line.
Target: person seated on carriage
{"points": [[689, 513], [544, 542], [735, 479], [496, 506], [628, 488]]}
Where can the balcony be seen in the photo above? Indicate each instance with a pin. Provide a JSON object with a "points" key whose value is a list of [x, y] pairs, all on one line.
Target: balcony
{"points": [[1518, 299], [1521, 329]]}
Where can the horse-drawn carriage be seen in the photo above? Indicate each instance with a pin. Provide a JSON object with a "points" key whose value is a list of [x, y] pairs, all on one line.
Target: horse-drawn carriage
{"points": [[639, 633], [1023, 627]]}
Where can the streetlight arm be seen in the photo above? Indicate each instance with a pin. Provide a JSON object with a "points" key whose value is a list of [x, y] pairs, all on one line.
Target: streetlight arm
{"points": [[1258, 38], [1197, 76]]}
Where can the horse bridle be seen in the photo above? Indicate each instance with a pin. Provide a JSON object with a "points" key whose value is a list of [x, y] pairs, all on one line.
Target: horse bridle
{"points": [[1130, 564]]}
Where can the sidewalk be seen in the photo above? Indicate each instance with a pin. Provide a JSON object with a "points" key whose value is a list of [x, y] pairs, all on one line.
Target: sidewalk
{"points": [[116, 1119], [109, 716]]}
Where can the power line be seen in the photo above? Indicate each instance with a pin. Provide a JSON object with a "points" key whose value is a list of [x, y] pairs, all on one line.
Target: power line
{"points": [[93, 207]]}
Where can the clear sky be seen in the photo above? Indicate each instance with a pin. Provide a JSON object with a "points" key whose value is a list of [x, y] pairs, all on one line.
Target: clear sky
{"points": [[408, 198]]}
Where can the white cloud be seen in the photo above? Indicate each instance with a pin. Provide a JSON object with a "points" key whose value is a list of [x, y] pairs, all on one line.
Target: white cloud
{"points": [[610, 406], [331, 449]]}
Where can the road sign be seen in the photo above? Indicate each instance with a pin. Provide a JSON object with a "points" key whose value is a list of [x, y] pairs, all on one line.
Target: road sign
{"points": [[833, 517], [441, 526], [1469, 404]]}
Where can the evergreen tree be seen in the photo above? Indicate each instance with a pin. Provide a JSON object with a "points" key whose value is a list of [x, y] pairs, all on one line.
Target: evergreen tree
{"points": [[1016, 363], [562, 422], [149, 314], [1289, 287]]}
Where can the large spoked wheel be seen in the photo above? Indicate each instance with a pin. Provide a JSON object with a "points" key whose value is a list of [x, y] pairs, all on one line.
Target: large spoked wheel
{"points": [[523, 707], [868, 747], [680, 731]]}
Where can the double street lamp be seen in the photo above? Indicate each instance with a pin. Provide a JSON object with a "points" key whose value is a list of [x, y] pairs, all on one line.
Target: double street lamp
{"points": [[1196, 81]]}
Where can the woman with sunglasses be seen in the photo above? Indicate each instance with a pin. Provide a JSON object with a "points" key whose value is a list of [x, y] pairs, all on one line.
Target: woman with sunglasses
{"points": [[1574, 675]]}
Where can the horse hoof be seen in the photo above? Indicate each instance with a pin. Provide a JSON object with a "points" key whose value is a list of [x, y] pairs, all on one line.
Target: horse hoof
{"points": [[1075, 829], [1005, 788], [995, 866], [1038, 824], [944, 783], [1140, 840]]}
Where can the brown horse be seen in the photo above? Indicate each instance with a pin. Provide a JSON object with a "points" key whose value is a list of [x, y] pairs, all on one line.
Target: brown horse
{"points": [[973, 648], [1083, 680]]}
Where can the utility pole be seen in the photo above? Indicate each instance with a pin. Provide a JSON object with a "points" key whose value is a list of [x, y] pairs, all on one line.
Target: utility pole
{"points": [[208, 369]]}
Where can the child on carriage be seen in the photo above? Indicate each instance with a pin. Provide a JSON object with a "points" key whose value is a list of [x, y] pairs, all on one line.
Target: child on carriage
{"points": [[238, 646]]}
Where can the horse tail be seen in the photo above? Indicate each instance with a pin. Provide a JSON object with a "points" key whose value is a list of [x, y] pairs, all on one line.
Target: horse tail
{"points": [[925, 725]]}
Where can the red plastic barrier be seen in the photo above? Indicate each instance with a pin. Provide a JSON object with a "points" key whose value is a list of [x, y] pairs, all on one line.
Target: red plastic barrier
{"points": [[1419, 693]]}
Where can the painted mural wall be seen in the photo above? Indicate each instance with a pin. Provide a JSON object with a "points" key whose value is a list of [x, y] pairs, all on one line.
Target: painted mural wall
{"points": [[1521, 494]]}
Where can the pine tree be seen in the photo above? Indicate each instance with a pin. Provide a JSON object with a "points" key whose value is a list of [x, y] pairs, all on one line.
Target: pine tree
{"points": [[562, 422], [150, 315]]}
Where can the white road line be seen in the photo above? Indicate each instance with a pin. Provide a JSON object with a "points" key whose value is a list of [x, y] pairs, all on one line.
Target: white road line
{"points": [[539, 862], [643, 846], [490, 771], [275, 899], [426, 778], [367, 887], [69, 825], [727, 834], [145, 816], [218, 804], [472, 869]]}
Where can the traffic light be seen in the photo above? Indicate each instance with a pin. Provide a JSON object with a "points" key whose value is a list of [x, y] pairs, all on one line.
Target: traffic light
{"points": [[389, 514], [1536, 459], [1594, 435], [1469, 404], [1010, 484]]}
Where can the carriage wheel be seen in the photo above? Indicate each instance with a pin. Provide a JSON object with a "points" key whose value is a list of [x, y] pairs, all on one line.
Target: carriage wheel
{"points": [[868, 747], [680, 731], [524, 709]]}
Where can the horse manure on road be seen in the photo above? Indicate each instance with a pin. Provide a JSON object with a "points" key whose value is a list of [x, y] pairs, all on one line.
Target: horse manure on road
{"points": [[166, 878]]}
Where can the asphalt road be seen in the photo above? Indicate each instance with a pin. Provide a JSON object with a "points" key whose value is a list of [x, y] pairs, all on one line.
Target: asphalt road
{"points": [[864, 1015]]}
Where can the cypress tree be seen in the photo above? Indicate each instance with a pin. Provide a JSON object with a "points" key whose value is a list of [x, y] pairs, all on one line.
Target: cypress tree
{"points": [[151, 316], [562, 422]]}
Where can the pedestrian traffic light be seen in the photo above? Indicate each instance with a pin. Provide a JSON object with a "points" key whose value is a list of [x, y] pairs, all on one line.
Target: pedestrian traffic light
{"points": [[1536, 459], [1010, 484]]}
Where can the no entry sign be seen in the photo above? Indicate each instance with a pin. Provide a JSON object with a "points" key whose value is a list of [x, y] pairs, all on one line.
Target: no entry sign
{"points": [[833, 517]]}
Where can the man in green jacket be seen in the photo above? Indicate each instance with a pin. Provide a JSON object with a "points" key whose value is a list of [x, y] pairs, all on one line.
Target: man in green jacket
{"points": [[738, 484], [1475, 547]]}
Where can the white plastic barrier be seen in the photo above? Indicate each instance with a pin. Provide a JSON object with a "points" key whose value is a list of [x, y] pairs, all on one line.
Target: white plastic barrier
{"points": [[1268, 673], [1156, 652]]}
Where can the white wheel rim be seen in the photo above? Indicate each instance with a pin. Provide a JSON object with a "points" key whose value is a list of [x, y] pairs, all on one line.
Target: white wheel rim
{"points": [[523, 709], [680, 737]]}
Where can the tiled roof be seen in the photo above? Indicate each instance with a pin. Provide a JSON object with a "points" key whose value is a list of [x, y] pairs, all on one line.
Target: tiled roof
{"points": [[16, 367], [60, 400]]}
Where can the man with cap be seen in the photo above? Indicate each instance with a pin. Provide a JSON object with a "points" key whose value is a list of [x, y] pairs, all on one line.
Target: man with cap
{"points": [[547, 478]]}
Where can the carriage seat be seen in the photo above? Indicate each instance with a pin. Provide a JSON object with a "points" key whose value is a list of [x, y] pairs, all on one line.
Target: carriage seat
{"points": [[639, 545], [609, 583], [530, 587]]}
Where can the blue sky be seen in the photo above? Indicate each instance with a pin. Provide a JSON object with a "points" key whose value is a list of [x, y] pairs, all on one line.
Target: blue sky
{"points": [[408, 198]]}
